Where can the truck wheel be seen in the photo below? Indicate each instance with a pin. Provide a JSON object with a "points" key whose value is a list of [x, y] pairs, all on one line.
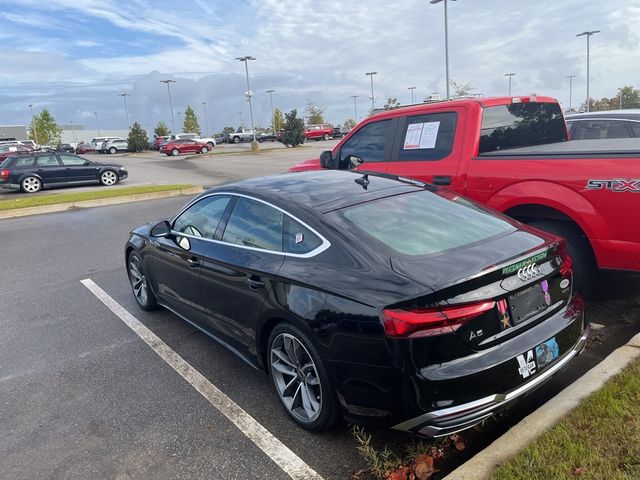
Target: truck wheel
{"points": [[325, 137], [236, 139], [584, 262]]}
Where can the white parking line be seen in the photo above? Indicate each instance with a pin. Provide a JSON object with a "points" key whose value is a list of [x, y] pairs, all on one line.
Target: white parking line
{"points": [[288, 461]]}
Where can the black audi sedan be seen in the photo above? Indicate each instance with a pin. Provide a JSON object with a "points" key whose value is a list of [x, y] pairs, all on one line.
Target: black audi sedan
{"points": [[35, 171], [380, 300]]}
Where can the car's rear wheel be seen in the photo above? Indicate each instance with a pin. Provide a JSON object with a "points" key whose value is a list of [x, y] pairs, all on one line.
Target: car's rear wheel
{"points": [[139, 284], [211, 145], [108, 178], [31, 184], [204, 150], [584, 262], [236, 139], [113, 150], [175, 152], [325, 137], [300, 379]]}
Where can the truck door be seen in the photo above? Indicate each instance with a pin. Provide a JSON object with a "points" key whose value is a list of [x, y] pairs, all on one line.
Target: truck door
{"points": [[427, 148], [370, 147]]}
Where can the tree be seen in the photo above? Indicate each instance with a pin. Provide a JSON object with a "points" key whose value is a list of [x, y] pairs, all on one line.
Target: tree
{"points": [[630, 99], [227, 130], [277, 120], [44, 129], [137, 140], [190, 123], [349, 123], [161, 130], [391, 103], [293, 129], [314, 113]]}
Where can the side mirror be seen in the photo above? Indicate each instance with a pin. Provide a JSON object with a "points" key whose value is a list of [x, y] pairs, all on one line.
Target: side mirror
{"points": [[87, 162], [326, 160], [161, 229]]}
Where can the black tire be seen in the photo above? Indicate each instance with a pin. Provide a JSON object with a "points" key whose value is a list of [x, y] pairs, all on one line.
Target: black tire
{"points": [[325, 137], [31, 184], [313, 383], [236, 139], [584, 262], [113, 150], [211, 145], [139, 284]]}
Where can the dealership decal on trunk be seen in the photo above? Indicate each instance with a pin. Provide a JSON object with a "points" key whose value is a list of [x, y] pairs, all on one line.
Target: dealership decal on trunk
{"points": [[524, 263], [527, 365]]}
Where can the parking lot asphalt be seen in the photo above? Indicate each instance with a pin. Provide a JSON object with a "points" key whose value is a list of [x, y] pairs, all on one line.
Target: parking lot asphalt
{"points": [[83, 396]]}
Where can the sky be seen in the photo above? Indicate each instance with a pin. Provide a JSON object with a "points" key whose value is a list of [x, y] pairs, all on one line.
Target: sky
{"points": [[75, 57]]}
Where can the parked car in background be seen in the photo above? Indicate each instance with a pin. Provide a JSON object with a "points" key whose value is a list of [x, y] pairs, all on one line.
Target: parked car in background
{"points": [[339, 132], [241, 135], [115, 146], [65, 147], [83, 148], [267, 137], [35, 171], [158, 141], [381, 301], [607, 124], [318, 132], [512, 154], [179, 147], [210, 141], [11, 149], [97, 142], [30, 144]]}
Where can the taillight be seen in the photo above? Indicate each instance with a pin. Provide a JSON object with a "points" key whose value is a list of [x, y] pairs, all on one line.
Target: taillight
{"points": [[424, 322], [4, 173], [566, 263]]}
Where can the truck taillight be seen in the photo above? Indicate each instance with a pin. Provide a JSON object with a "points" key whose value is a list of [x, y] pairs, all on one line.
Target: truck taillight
{"points": [[4, 173], [423, 322]]}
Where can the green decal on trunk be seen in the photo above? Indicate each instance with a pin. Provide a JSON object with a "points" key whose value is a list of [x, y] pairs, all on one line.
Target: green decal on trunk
{"points": [[524, 263]]}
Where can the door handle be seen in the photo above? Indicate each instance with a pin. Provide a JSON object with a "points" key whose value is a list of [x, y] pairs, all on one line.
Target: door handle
{"points": [[442, 180], [193, 262], [255, 282]]}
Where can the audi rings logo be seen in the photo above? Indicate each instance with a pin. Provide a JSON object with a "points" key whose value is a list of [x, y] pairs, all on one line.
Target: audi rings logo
{"points": [[528, 272]]}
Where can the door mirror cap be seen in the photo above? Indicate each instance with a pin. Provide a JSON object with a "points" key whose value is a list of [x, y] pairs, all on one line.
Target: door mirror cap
{"points": [[326, 160], [161, 229]]}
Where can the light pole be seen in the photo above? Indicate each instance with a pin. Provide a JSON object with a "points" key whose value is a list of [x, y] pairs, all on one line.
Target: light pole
{"points": [[620, 98], [509, 75], [206, 123], [97, 124], [173, 123], [73, 132], [355, 107], [570, 77], [245, 59], [178, 114], [588, 34], [126, 110], [412, 95], [273, 119], [33, 122], [373, 98], [446, 41]]}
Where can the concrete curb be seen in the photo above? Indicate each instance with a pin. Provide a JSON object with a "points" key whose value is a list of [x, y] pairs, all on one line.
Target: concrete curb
{"points": [[530, 428], [99, 202]]}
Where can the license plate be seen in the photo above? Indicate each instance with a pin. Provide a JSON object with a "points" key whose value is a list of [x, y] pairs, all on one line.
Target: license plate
{"points": [[529, 302]]}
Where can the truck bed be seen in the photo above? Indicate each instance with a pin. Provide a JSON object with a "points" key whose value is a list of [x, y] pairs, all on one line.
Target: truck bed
{"points": [[575, 148]]}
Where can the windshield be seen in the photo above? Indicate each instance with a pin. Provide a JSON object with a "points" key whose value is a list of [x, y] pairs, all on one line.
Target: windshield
{"points": [[423, 223], [521, 125]]}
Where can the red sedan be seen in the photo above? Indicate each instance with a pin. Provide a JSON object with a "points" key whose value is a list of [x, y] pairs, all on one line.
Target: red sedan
{"points": [[178, 147], [9, 150]]}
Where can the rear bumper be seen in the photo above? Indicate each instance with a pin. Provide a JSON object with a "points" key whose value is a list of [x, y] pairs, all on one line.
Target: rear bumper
{"points": [[450, 420]]}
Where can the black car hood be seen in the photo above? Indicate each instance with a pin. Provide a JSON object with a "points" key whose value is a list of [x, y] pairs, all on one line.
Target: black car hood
{"points": [[453, 266]]}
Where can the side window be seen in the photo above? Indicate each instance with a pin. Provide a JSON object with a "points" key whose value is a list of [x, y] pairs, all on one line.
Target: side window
{"points": [[635, 128], [428, 137], [71, 160], [23, 162], [201, 219], [298, 238], [368, 143], [47, 161], [255, 224], [617, 129]]}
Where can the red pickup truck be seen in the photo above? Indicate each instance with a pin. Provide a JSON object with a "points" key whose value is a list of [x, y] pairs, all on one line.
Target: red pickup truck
{"points": [[512, 154], [318, 132]]}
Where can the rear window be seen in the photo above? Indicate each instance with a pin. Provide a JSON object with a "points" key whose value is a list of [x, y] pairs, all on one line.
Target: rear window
{"points": [[521, 125], [424, 223]]}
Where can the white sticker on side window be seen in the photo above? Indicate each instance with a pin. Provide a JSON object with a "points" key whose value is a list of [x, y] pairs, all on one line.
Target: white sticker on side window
{"points": [[421, 136]]}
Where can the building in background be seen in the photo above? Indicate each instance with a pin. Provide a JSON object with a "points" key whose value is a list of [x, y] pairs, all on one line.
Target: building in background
{"points": [[13, 132]]}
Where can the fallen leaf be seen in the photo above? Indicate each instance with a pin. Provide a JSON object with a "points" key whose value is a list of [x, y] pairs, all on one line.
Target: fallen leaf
{"points": [[424, 467], [578, 471], [400, 474], [454, 437], [460, 446]]}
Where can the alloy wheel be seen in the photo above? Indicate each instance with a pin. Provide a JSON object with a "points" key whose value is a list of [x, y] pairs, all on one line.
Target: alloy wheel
{"points": [[296, 378], [31, 184], [138, 281], [108, 178]]}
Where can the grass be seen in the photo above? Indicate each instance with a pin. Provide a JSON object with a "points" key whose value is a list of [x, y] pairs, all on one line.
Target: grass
{"points": [[599, 440], [54, 198]]}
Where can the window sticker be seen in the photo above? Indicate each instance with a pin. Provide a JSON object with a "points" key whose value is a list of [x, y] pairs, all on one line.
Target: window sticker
{"points": [[421, 136]]}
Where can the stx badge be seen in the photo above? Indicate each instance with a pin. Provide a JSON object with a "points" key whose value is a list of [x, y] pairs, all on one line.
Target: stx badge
{"points": [[615, 185], [527, 366]]}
